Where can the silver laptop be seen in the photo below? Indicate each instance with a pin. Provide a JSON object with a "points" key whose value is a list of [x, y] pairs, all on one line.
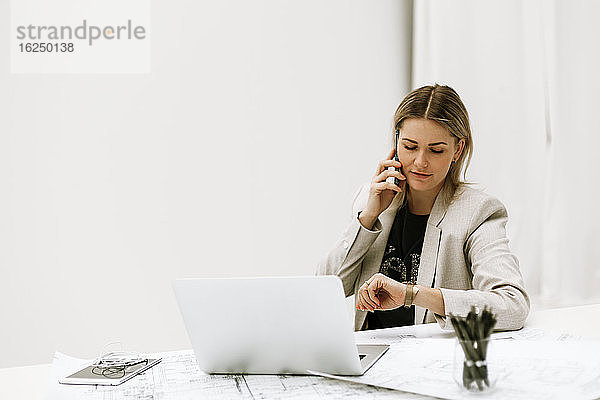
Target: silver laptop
{"points": [[280, 325]]}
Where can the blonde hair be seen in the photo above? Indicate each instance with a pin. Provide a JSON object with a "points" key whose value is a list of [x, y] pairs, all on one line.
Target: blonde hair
{"points": [[443, 105]]}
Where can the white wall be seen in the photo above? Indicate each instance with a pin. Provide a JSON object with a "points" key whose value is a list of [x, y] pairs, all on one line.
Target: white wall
{"points": [[527, 71], [237, 155], [499, 74]]}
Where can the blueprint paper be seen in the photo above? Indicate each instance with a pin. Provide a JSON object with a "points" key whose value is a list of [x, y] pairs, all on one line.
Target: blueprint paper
{"points": [[531, 370], [536, 334], [177, 376], [544, 364], [396, 335]]}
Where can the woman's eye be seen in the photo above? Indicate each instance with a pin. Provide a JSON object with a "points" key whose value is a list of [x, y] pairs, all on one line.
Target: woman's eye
{"points": [[409, 148], [437, 151]]}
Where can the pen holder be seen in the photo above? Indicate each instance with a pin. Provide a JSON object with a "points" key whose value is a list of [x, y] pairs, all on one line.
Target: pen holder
{"points": [[475, 368]]}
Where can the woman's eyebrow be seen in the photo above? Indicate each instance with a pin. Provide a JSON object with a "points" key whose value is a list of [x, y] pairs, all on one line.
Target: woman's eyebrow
{"points": [[430, 144]]}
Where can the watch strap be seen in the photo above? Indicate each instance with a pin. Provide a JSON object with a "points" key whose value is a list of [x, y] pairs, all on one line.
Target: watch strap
{"points": [[409, 295]]}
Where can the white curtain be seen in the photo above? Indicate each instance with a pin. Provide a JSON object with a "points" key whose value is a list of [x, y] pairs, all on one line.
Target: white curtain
{"points": [[528, 74]]}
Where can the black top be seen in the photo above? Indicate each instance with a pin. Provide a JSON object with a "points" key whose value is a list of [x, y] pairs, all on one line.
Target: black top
{"points": [[401, 262]]}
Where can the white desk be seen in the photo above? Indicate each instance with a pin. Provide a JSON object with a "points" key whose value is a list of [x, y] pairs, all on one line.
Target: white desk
{"points": [[30, 382]]}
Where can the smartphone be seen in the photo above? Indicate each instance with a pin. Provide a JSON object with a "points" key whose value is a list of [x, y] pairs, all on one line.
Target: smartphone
{"points": [[395, 180], [89, 376]]}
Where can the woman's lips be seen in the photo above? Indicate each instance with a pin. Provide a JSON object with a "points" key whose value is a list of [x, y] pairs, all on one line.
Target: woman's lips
{"points": [[419, 175]]}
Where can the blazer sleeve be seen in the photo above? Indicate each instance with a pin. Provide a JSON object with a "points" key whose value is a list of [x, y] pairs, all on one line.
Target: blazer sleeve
{"points": [[497, 281], [345, 259]]}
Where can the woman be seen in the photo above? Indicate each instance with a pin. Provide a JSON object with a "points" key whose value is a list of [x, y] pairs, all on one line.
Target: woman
{"points": [[427, 245]]}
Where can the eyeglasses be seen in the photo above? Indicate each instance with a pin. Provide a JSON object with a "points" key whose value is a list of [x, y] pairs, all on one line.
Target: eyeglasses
{"points": [[116, 364]]}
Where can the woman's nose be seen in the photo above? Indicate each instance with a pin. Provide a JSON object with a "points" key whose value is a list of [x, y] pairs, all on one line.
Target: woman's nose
{"points": [[421, 161]]}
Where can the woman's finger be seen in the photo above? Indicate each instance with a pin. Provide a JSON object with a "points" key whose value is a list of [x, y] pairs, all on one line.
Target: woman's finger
{"points": [[372, 296], [360, 305], [381, 186], [366, 306], [380, 166], [365, 298], [383, 164], [372, 293], [387, 174]]}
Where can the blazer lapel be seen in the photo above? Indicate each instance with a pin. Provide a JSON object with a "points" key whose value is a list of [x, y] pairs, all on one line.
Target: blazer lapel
{"points": [[429, 254]]}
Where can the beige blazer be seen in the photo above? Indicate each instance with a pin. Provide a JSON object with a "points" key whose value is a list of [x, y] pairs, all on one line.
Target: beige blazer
{"points": [[465, 254]]}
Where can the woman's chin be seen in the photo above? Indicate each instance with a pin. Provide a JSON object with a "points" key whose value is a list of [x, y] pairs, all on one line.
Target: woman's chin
{"points": [[420, 186]]}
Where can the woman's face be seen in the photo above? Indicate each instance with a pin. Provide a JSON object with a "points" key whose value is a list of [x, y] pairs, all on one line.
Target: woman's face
{"points": [[426, 150]]}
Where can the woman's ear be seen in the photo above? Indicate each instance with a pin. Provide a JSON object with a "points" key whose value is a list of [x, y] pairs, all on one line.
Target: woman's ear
{"points": [[459, 148]]}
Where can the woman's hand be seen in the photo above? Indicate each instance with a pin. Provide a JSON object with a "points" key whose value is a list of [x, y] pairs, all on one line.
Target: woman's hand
{"points": [[380, 293], [381, 193]]}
